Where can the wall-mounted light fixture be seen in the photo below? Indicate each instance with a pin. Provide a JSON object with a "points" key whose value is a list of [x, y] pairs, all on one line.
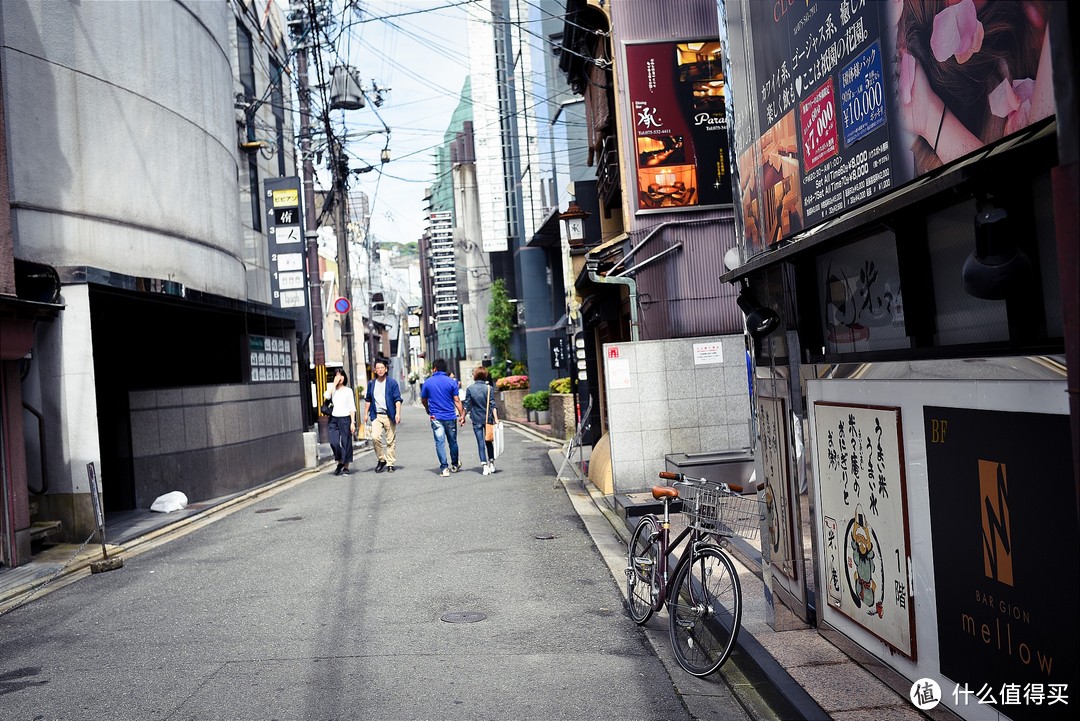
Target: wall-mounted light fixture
{"points": [[997, 267], [574, 221], [760, 321]]}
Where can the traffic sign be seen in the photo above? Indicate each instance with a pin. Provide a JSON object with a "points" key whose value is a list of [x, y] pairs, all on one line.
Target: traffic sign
{"points": [[342, 305]]}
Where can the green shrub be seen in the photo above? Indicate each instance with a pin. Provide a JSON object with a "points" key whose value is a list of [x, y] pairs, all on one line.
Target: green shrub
{"points": [[560, 385], [537, 401], [520, 369]]}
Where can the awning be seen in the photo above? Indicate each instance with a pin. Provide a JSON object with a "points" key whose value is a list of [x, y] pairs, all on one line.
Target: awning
{"points": [[547, 235]]}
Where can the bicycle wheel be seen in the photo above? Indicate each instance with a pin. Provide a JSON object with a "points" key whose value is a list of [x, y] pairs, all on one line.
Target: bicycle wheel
{"points": [[641, 568], [704, 611]]}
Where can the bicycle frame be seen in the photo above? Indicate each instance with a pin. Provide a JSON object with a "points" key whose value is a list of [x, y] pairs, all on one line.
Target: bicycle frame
{"points": [[666, 547]]}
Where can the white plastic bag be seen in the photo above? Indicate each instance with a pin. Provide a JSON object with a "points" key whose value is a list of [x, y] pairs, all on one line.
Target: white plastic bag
{"points": [[499, 442], [172, 501]]}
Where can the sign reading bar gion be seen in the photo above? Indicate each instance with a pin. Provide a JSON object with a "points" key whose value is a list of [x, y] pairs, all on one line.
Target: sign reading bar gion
{"points": [[680, 125], [1004, 577], [836, 102]]}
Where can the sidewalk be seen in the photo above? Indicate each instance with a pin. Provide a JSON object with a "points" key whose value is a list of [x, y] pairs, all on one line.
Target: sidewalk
{"points": [[800, 673]]}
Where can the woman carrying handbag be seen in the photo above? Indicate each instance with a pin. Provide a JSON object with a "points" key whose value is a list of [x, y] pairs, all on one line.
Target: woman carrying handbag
{"points": [[484, 416]]}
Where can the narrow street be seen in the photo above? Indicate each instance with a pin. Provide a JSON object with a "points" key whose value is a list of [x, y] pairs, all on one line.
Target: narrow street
{"points": [[326, 600]]}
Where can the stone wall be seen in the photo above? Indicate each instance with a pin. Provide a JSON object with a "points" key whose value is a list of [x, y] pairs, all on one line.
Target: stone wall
{"points": [[210, 441], [563, 416], [684, 395], [510, 405]]}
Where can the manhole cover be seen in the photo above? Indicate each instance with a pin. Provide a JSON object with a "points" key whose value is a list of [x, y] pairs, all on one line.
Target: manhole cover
{"points": [[464, 617], [267, 510], [290, 518], [544, 536]]}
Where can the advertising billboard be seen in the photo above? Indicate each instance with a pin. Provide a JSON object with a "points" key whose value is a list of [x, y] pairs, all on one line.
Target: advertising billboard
{"points": [[677, 97], [841, 101], [1004, 580]]}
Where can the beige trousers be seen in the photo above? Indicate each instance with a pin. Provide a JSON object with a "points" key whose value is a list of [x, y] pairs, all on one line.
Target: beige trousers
{"points": [[384, 451]]}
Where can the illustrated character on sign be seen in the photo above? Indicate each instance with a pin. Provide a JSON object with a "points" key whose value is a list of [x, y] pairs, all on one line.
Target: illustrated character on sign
{"points": [[862, 563], [773, 517]]}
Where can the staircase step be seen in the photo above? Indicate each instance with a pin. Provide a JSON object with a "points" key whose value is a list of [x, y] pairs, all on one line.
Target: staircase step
{"points": [[40, 530]]}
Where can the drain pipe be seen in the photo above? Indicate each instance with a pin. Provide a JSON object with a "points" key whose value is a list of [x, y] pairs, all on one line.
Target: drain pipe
{"points": [[591, 264]]}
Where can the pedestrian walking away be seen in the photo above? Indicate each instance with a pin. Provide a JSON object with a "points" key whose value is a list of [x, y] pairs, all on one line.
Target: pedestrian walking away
{"points": [[482, 412], [443, 406], [342, 425], [382, 409]]}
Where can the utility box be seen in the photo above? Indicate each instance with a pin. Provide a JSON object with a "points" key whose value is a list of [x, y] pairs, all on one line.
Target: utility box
{"points": [[735, 466]]}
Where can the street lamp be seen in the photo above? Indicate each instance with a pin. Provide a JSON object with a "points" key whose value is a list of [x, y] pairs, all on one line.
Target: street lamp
{"points": [[574, 221]]}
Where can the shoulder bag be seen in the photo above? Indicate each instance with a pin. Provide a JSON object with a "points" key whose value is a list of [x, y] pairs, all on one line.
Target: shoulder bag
{"points": [[489, 428]]}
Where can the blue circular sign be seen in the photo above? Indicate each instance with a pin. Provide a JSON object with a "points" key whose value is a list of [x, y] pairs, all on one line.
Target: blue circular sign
{"points": [[342, 305]]}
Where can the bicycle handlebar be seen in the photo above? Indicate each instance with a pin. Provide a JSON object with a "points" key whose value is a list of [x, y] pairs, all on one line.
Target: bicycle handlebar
{"points": [[683, 478]]}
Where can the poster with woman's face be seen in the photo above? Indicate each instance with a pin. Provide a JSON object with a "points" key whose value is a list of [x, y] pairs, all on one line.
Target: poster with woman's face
{"points": [[878, 93]]}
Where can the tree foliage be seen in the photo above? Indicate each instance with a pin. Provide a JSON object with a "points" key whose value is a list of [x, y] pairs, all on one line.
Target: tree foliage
{"points": [[500, 322]]}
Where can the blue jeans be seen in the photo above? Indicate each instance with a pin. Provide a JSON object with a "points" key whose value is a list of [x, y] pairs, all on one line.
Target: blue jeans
{"points": [[445, 431], [486, 448]]}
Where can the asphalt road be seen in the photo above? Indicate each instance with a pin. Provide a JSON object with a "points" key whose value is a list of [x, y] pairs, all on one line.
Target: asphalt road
{"points": [[325, 601]]}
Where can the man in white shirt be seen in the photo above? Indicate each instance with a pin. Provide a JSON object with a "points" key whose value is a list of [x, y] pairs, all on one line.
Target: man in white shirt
{"points": [[382, 408]]}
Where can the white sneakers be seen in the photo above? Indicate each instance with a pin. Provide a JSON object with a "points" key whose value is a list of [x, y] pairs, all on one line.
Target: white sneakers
{"points": [[445, 473], [487, 470]]}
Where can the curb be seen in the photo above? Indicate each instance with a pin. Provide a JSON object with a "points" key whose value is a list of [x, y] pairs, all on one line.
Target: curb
{"points": [[759, 682]]}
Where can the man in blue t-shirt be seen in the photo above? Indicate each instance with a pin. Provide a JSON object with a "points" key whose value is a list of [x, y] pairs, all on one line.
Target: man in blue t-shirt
{"points": [[441, 401]]}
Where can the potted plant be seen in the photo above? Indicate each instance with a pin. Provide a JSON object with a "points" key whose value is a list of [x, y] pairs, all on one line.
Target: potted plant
{"points": [[537, 405], [512, 391]]}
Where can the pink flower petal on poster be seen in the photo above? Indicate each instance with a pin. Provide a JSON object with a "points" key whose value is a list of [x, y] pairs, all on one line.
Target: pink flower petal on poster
{"points": [[1019, 119], [957, 31], [1024, 88], [907, 77], [1003, 100]]}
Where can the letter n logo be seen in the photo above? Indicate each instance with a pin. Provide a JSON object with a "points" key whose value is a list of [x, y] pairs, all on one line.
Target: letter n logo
{"points": [[997, 546]]}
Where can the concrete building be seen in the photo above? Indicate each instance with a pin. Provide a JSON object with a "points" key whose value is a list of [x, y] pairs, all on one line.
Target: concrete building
{"points": [[512, 210], [136, 149]]}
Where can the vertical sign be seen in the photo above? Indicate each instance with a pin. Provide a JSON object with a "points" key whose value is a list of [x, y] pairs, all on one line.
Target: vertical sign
{"points": [[1002, 490], [860, 470], [285, 241], [677, 99]]}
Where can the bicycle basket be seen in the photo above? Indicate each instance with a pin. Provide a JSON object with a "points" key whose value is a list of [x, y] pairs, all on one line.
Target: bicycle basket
{"points": [[713, 510]]}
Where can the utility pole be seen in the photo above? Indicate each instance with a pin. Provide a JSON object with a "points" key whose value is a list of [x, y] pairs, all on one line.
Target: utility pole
{"points": [[370, 304], [341, 176], [318, 351]]}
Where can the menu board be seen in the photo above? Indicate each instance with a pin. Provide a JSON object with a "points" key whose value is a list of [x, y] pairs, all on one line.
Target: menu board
{"points": [[269, 359], [860, 469], [677, 96], [843, 100]]}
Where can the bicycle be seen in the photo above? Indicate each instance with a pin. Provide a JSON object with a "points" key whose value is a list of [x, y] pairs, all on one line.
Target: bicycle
{"points": [[702, 591]]}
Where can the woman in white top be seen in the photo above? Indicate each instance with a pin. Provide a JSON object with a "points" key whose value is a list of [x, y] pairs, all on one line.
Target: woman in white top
{"points": [[342, 421]]}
